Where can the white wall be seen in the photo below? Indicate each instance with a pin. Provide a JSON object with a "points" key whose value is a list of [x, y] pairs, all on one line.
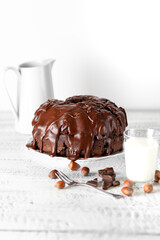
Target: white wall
{"points": [[107, 48]]}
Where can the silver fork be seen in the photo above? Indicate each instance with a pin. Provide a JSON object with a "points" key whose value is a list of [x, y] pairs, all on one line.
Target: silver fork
{"points": [[71, 182]]}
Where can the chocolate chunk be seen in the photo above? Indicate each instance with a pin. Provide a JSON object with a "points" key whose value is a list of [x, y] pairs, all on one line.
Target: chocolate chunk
{"points": [[156, 178], [157, 173], [106, 185], [93, 182], [110, 171], [104, 174], [116, 183], [108, 175], [108, 178], [107, 171]]}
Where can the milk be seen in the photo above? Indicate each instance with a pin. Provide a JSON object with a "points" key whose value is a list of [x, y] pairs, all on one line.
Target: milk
{"points": [[140, 156]]}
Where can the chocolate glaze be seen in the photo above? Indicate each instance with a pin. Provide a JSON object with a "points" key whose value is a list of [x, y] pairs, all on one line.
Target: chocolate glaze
{"points": [[83, 119]]}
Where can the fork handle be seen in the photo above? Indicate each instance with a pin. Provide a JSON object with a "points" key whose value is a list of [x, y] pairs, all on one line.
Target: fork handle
{"points": [[117, 196]]}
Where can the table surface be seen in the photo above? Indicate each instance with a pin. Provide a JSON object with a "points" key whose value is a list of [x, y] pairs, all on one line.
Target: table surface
{"points": [[31, 208]]}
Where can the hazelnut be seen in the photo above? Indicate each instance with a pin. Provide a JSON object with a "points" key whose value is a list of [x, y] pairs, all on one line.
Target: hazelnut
{"points": [[73, 166], [60, 185], [128, 191], [148, 188], [128, 183], [159, 181], [52, 174], [85, 171]]}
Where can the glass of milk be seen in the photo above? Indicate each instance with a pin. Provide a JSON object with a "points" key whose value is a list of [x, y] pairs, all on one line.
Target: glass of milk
{"points": [[141, 152]]}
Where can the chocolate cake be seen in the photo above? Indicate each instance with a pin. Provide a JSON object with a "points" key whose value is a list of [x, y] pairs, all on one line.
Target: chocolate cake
{"points": [[79, 127]]}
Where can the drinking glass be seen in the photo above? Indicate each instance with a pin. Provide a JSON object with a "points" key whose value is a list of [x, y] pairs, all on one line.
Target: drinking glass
{"points": [[141, 152]]}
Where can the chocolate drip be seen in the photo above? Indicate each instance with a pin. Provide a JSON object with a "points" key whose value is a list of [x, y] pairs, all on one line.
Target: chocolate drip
{"points": [[79, 123]]}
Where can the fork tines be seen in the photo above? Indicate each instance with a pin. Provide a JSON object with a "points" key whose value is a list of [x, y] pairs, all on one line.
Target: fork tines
{"points": [[64, 178]]}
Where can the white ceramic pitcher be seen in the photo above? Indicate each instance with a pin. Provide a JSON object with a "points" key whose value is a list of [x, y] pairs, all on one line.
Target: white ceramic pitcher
{"points": [[34, 88]]}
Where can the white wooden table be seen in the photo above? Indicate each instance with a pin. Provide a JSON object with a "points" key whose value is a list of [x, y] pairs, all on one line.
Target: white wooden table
{"points": [[31, 208]]}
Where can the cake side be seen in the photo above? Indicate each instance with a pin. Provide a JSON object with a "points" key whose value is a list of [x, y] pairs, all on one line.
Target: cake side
{"points": [[79, 127]]}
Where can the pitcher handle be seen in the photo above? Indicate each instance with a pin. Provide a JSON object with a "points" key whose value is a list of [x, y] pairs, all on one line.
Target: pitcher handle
{"points": [[5, 85]]}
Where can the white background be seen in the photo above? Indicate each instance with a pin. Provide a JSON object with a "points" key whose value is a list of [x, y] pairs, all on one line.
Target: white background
{"points": [[105, 48]]}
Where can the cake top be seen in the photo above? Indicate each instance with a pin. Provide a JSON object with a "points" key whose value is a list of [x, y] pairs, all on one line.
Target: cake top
{"points": [[82, 118]]}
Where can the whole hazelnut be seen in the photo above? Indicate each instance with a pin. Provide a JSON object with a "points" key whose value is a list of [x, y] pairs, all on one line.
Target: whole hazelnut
{"points": [[128, 191], [60, 185], [85, 171], [128, 183], [73, 166], [148, 188], [52, 174]]}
